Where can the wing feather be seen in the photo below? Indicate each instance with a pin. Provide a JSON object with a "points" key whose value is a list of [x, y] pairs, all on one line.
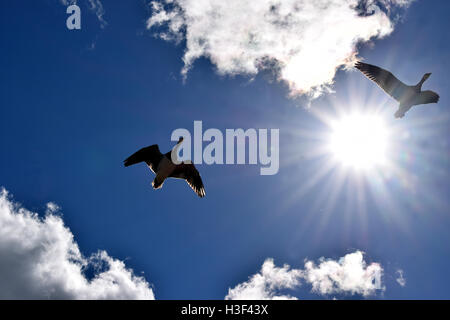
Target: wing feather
{"points": [[189, 173], [384, 79], [150, 155]]}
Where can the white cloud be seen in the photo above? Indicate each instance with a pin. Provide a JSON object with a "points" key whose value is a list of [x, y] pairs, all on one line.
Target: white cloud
{"points": [[97, 7], [68, 2], [348, 275], [39, 259], [306, 41], [401, 279], [265, 284]]}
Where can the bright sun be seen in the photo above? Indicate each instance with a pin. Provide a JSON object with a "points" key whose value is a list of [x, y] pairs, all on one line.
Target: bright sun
{"points": [[359, 141]]}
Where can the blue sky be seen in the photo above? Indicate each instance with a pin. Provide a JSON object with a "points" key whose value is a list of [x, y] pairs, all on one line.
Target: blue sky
{"points": [[75, 104]]}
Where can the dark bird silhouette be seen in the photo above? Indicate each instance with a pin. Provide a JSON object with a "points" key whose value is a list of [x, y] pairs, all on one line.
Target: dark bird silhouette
{"points": [[407, 96], [164, 167]]}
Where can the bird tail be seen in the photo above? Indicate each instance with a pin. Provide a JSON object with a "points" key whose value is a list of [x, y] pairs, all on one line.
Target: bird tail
{"points": [[399, 114], [156, 184]]}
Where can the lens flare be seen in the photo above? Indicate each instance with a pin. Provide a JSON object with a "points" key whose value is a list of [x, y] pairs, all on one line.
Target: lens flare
{"points": [[359, 141]]}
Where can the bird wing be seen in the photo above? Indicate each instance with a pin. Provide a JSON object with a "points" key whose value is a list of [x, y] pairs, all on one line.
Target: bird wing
{"points": [[151, 155], [427, 97], [189, 173], [384, 79]]}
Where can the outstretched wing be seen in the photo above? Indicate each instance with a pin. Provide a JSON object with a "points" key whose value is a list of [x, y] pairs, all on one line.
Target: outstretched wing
{"points": [[189, 173], [384, 79], [150, 155], [427, 97]]}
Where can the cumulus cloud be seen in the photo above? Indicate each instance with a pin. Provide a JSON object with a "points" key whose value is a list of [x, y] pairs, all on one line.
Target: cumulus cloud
{"points": [[266, 284], [305, 41], [39, 259], [348, 275]]}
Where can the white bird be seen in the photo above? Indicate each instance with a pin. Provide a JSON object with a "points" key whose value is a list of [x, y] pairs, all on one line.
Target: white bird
{"points": [[163, 166], [407, 96]]}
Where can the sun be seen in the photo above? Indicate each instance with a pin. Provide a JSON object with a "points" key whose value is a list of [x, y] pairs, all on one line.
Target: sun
{"points": [[359, 141]]}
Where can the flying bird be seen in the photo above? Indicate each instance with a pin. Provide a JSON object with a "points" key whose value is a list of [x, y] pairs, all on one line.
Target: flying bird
{"points": [[164, 167], [407, 96]]}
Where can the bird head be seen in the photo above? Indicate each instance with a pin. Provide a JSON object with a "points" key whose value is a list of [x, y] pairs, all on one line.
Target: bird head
{"points": [[426, 76], [180, 140]]}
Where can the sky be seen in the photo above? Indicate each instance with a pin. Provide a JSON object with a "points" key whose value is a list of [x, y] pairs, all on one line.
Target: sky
{"points": [[75, 223]]}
